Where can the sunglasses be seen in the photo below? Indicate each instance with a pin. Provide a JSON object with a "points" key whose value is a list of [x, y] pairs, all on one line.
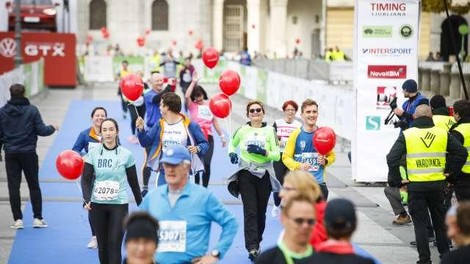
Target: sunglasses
{"points": [[300, 221], [252, 110]]}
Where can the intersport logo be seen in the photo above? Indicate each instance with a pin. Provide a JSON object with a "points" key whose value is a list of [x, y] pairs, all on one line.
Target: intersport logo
{"points": [[386, 71], [387, 51]]}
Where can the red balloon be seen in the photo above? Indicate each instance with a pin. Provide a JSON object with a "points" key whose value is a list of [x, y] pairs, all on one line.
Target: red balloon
{"points": [[69, 164], [131, 86], [199, 45], [324, 140], [141, 41], [210, 57], [148, 31], [220, 105], [229, 82]]}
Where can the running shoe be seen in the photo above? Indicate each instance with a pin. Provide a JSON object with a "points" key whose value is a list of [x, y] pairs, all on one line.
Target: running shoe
{"points": [[93, 243], [39, 223], [18, 224]]}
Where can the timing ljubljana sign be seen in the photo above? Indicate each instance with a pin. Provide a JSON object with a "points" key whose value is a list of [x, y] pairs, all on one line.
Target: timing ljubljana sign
{"points": [[386, 54], [57, 49]]}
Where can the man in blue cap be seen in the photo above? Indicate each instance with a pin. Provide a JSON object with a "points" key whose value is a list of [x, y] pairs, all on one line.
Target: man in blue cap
{"points": [[185, 212], [410, 91]]}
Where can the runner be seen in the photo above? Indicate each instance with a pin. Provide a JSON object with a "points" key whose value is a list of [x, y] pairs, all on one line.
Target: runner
{"points": [[283, 127], [255, 177], [199, 112], [105, 194], [87, 140]]}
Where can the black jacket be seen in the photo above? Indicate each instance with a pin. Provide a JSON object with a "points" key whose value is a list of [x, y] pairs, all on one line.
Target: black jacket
{"points": [[463, 179], [455, 159], [20, 126]]}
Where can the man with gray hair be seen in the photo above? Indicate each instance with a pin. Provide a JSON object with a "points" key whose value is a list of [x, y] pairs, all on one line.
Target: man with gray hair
{"points": [[20, 126], [431, 156]]}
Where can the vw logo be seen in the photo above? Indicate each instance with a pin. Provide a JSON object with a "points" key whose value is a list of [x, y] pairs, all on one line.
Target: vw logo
{"points": [[8, 47]]}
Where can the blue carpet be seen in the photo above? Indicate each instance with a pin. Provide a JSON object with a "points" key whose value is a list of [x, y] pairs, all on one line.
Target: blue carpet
{"points": [[64, 241]]}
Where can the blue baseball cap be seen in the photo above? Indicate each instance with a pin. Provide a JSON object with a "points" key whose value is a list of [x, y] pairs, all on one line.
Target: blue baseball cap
{"points": [[175, 155]]}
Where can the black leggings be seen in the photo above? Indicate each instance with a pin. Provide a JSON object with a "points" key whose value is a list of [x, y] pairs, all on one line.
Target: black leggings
{"points": [[280, 169], [107, 221], [207, 164], [146, 171], [255, 196]]}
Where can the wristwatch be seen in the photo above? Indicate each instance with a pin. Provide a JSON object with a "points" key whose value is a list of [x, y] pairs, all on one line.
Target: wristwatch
{"points": [[215, 253]]}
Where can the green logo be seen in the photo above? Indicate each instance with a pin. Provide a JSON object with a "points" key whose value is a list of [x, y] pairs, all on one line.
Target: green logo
{"points": [[372, 122], [377, 31], [406, 31]]}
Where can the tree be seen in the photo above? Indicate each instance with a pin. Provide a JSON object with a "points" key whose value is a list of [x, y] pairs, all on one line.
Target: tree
{"points": [[456, 6]]}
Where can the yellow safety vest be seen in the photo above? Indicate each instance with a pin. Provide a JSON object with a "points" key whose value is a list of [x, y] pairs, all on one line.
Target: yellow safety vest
{"points": [[443, 121], [425, 153], [464, 129], [123, 73]]}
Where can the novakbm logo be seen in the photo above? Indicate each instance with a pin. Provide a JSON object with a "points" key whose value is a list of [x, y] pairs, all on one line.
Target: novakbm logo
{"points": [[372, 122]]}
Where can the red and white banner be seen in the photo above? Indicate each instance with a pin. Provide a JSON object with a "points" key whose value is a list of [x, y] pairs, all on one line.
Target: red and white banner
{"points": [[57, 49], [385, 55]]}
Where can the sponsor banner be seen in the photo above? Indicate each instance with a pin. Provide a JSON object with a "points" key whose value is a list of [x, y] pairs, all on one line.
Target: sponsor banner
{"points": [[57, 49], [385, 55], [98, 69]]}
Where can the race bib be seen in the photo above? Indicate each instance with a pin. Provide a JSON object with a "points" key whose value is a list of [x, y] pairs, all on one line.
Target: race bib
{"points": [[312, 159], [203, 112], [172, 236], [93, 145], [169, 142], [106, 190], [258, 140]]}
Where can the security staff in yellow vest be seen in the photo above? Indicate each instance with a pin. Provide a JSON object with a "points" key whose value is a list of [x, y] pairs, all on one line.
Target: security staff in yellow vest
{"points": [[440, 112], [461, 131], [426, 146]]}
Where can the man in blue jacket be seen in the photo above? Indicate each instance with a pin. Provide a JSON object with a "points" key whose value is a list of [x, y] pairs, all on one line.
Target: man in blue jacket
{"points": [[410, 91], [20, 126], [185, 212]]}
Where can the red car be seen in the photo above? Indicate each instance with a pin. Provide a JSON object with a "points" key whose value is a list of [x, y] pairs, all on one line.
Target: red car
{"points": [[35, 15]]}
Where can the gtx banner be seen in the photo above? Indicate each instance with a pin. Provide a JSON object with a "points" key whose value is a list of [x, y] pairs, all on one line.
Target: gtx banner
{"points": [[385, 55], [57, 49]]}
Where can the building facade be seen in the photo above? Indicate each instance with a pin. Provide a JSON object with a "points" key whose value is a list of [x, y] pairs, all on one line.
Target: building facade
{"points": [[271, 27]]}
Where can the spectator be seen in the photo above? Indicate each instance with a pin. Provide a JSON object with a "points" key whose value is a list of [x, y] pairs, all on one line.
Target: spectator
{"points": [[340, 222], [121, 74], [245, 58], [20, 126], [462, 254], [141, 238], [461, 131], [430, 57], [297, 218]]}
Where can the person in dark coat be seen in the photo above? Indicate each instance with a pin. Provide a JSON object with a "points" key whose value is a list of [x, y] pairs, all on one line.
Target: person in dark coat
{"points": [[20, 126]]}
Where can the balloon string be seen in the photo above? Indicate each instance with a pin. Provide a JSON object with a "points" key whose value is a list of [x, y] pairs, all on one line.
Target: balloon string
{"points": [[135, 108]]}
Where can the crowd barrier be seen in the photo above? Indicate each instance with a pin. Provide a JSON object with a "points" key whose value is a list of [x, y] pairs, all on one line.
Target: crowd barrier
{"points": [[31, 75]]}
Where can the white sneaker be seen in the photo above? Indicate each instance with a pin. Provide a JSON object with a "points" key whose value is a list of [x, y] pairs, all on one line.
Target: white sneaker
{"points": [[18, 224], [93, 243], [39, 223], [275, 212]]}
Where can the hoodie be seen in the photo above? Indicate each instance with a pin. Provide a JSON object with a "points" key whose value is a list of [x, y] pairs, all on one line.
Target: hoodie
{"points": [[20, 126]]}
